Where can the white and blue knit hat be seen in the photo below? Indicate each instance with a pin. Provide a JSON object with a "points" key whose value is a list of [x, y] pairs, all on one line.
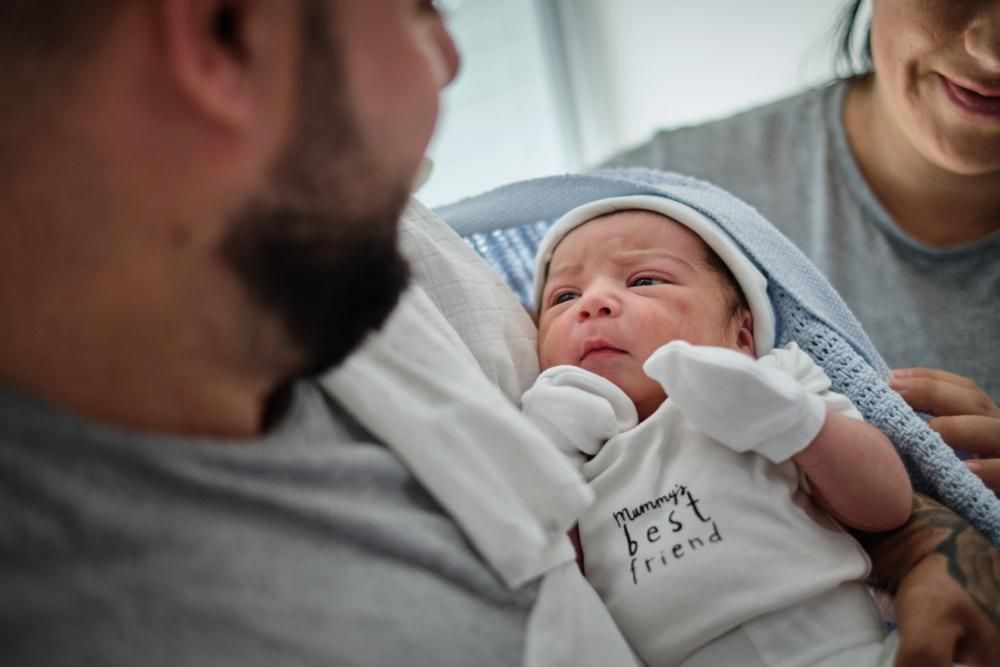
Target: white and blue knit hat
{"points": [[751, 281]]}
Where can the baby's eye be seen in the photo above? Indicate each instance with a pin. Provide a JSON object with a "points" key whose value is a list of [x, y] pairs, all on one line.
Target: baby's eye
{"points": [[646, 281], [563, 298]]}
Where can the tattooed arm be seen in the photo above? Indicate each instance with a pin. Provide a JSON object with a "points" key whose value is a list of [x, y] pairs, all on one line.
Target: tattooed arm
{"points": [[946, 578]]}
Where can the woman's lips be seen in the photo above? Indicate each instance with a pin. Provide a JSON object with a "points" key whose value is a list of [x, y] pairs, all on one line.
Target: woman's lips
{"points": [[977, 102]]}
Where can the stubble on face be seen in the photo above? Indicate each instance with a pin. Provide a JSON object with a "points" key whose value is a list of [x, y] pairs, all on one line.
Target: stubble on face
{"points": [[318, 250]]}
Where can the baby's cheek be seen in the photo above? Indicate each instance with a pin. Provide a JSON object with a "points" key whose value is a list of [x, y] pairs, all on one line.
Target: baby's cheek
{"points": [[552, 343], [657, 329], [687, 308], [547, 356]]}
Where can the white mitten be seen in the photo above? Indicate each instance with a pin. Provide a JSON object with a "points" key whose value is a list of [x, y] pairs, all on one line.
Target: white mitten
{"points": [[740, 403], [578, 410]]}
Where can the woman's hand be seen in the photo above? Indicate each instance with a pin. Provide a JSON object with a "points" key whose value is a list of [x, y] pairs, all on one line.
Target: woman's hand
{"points": [[965, 416], [946, 577]]}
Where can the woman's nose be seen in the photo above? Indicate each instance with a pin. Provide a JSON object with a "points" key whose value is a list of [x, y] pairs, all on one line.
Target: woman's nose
{"points": [[982, 38]]}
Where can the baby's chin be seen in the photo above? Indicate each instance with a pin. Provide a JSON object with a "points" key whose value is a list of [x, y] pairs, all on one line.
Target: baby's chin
{"points": [[606, 359], [646, 393]]}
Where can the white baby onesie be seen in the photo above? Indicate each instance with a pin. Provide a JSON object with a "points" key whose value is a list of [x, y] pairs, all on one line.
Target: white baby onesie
{"points": [[688, 538]]}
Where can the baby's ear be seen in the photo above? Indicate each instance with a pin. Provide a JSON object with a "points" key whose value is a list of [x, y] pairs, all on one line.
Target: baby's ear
{"points": [[743, 321]]}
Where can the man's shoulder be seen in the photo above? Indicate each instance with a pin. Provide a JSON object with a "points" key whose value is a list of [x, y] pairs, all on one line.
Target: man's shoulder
{"points": [[241, 551]]}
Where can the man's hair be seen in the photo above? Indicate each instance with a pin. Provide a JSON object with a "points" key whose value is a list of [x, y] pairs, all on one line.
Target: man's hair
{"points": [[853, 59], [42, 43]]}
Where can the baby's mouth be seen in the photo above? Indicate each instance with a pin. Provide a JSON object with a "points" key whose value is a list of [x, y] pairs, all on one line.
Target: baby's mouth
{"points": [[599, 349]]}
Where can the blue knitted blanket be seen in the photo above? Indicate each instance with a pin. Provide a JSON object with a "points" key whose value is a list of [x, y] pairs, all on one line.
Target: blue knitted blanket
{"points": [[505, 226]]}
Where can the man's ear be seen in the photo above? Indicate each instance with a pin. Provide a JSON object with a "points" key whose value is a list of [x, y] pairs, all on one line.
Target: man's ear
{"points": [[228, 56], [744, 331]]}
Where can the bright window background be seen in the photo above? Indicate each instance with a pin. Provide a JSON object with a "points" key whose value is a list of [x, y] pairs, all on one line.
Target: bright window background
{"points": [[667, 63], [503, 119], [549, 86]]}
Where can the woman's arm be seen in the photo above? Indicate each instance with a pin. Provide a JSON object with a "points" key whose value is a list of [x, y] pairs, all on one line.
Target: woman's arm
{"points": [[946, 577], [964, 415], [856, 474]]}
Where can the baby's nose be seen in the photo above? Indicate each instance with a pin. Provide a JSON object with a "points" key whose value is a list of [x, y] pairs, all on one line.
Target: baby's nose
{"points": [[601, 304]]}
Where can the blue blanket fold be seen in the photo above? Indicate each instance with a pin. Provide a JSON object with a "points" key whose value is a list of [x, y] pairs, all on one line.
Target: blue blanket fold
{"points": [[505, 226]]}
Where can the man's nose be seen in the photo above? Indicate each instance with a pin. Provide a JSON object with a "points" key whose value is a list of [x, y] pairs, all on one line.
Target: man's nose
{"points": [[449, 59]]}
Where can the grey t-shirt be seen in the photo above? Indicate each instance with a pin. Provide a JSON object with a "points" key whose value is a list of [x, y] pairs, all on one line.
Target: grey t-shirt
{"points": [[311, 546], [921, 306]]}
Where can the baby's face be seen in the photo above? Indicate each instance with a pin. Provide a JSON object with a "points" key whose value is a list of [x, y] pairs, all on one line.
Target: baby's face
{"points": [[620, 287]]}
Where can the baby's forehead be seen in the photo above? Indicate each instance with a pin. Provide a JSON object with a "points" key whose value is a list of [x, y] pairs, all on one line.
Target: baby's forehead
{"points": [[644, 220], [599, 239], [650, 216]]}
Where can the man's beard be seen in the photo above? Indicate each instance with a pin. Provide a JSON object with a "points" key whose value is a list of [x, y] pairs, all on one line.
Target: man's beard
{"points": [[319, 249], [328, 290]]}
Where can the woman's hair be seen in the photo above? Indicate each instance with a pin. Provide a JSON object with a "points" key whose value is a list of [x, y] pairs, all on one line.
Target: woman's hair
{"points": [[852, 58]]}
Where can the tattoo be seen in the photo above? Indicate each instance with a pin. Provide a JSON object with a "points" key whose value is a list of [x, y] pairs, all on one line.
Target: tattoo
{"points": [[972, 561]]}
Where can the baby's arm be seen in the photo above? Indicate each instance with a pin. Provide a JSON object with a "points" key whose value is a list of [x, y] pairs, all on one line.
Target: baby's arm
{"points": [[779, 407], [577, 410], [856, 475]]}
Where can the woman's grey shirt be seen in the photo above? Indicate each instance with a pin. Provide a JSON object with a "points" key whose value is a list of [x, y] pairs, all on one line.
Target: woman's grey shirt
{"points": [[921, 306]]}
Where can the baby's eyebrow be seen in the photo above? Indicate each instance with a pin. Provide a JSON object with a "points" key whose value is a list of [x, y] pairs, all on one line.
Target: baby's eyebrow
{"points": [[640, 254], [564, 269], [568, 269]]}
